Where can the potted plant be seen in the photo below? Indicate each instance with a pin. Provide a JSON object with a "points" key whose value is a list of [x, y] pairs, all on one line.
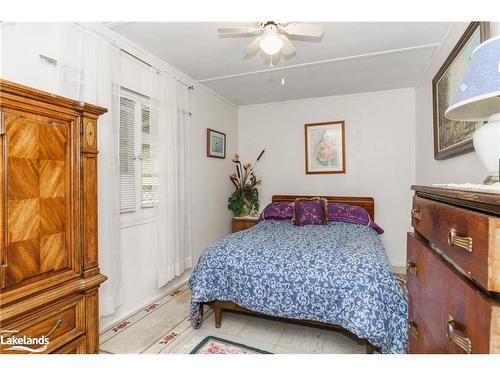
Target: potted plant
{"points": [[244, 200]]}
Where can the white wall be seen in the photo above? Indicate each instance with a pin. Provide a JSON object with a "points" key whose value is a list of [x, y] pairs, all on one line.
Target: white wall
{"points": [[459, 169], [379, 129], [21, 43], [210, 185]]}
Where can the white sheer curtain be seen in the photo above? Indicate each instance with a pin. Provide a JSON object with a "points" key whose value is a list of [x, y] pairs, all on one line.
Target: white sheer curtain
{"points": [[89, 71], [171, 148]]}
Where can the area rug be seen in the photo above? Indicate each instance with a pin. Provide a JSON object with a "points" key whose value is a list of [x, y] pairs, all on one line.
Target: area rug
{"points": [[216, 345], [401, 279]]}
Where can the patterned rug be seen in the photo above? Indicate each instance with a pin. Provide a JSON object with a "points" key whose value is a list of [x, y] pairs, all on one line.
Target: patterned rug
{"points": [[401, 279], [216, 345]]}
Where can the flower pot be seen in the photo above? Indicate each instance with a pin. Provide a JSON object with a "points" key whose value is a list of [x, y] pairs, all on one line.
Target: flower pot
{"points": [[247, 208]]}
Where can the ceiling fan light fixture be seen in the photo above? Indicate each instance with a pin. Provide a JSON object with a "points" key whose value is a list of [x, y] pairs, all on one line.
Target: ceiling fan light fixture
{"points": [[271, 43]]}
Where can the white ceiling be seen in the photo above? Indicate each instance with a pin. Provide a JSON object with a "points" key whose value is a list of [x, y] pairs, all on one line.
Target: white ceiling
{"points": [[350, 58]]}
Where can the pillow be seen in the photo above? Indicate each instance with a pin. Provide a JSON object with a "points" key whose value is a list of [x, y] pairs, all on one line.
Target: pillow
{"points": [[351, 214], [310, 211], [277, 211]]}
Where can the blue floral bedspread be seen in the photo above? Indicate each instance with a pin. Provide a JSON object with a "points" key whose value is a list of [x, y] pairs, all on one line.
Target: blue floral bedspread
{"points": [[336, 273]]}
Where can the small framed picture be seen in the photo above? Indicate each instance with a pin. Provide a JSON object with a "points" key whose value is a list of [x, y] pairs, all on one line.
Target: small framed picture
{"points": [[325, 147], [216, 144]]}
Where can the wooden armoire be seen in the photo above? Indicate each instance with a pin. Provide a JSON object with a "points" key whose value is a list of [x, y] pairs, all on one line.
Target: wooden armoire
{"points": [[49, 272]]}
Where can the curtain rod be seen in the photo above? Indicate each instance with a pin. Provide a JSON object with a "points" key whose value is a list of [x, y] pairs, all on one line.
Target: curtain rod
{"points": [[189, 87]]}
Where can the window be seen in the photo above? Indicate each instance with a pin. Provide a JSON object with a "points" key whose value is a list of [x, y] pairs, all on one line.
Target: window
{"points": [[138, 170], [149, 167]]}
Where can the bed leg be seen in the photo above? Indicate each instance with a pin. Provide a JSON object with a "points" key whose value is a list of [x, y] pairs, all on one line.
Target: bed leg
{"points": [[218, 316], [370, 349]]}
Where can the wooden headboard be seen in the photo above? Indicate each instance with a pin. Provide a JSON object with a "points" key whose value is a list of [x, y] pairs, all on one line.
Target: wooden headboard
{"points": [[366, 202]]}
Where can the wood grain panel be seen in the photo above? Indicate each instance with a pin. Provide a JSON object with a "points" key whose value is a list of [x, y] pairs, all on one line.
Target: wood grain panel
{"points": [[53, 139], [23, 221], [366, 202], [52, 215], [52, 178], [23, 137], [24, 261], [89, 166], [242, 224], [23, 175], [437, 219], [77, 346], [3, 201], [53, 253], [92, 322]]}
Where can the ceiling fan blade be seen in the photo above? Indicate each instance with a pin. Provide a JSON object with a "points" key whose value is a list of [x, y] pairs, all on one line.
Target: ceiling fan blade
{"points": [[239, 30], [288, 47], [304, 29], [253, 47]]}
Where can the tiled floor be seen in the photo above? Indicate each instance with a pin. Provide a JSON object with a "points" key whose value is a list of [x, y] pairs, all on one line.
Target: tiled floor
{"points": [[163, 327]]}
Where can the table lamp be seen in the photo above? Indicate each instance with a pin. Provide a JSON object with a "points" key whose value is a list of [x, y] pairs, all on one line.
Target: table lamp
{"points": [[478, 98]]}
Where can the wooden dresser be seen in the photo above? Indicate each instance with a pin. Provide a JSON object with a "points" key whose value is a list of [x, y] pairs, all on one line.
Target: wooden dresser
{"points": [[453, 271], [242, 223], [49, 273]]}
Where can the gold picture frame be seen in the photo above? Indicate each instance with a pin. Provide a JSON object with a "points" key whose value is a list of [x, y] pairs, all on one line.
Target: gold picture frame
{"points": [[325, 147], [452, 138]]}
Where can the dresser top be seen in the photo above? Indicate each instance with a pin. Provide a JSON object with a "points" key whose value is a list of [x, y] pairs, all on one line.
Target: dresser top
{"points": [[28, 94], [484, 201]]}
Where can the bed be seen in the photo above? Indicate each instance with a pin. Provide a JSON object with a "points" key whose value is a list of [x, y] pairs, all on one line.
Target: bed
{"points": [[335, 276]]}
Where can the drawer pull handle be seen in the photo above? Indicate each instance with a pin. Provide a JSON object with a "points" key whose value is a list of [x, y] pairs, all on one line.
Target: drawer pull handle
{"points": [[413, 329], [58, 324], [416, 214], [463, 242], [463, 342], [411, 268], [40, 349]]}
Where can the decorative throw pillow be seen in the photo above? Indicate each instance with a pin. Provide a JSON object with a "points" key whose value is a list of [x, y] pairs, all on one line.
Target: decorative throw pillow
{"points": [[351, 214], [277, 211], [310, 211]]}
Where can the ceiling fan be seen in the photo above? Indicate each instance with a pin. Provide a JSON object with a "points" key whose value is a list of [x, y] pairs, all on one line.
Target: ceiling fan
{"points": [[273, 37]]}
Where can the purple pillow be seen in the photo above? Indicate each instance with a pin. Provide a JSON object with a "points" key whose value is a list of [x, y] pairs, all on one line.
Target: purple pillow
{"points": [[351, 214], [277, 211], [309, 211]]}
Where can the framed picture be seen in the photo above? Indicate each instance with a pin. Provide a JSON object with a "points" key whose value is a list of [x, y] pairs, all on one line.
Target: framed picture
{"points": [[216, 144], [325, 147], [452, 138]]}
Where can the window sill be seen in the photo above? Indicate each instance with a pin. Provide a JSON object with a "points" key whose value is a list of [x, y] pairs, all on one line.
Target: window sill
{"points": [[136, 222]]}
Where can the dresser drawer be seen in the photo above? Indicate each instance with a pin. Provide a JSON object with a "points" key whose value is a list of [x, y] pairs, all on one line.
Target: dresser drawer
{"points": [[447, 313], [74, 347], [60, 323], [470, 239]]}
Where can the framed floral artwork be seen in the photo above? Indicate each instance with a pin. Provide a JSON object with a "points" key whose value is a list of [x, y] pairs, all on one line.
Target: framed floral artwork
{"points": [[325, 147], [216, 144]]}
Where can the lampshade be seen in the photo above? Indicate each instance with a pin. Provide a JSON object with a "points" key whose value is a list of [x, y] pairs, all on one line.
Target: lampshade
{"points": [[478, 96]]}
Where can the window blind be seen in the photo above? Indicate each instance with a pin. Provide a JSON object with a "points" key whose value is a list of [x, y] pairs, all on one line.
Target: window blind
{"points": [[127, 150], [149, 167]]}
